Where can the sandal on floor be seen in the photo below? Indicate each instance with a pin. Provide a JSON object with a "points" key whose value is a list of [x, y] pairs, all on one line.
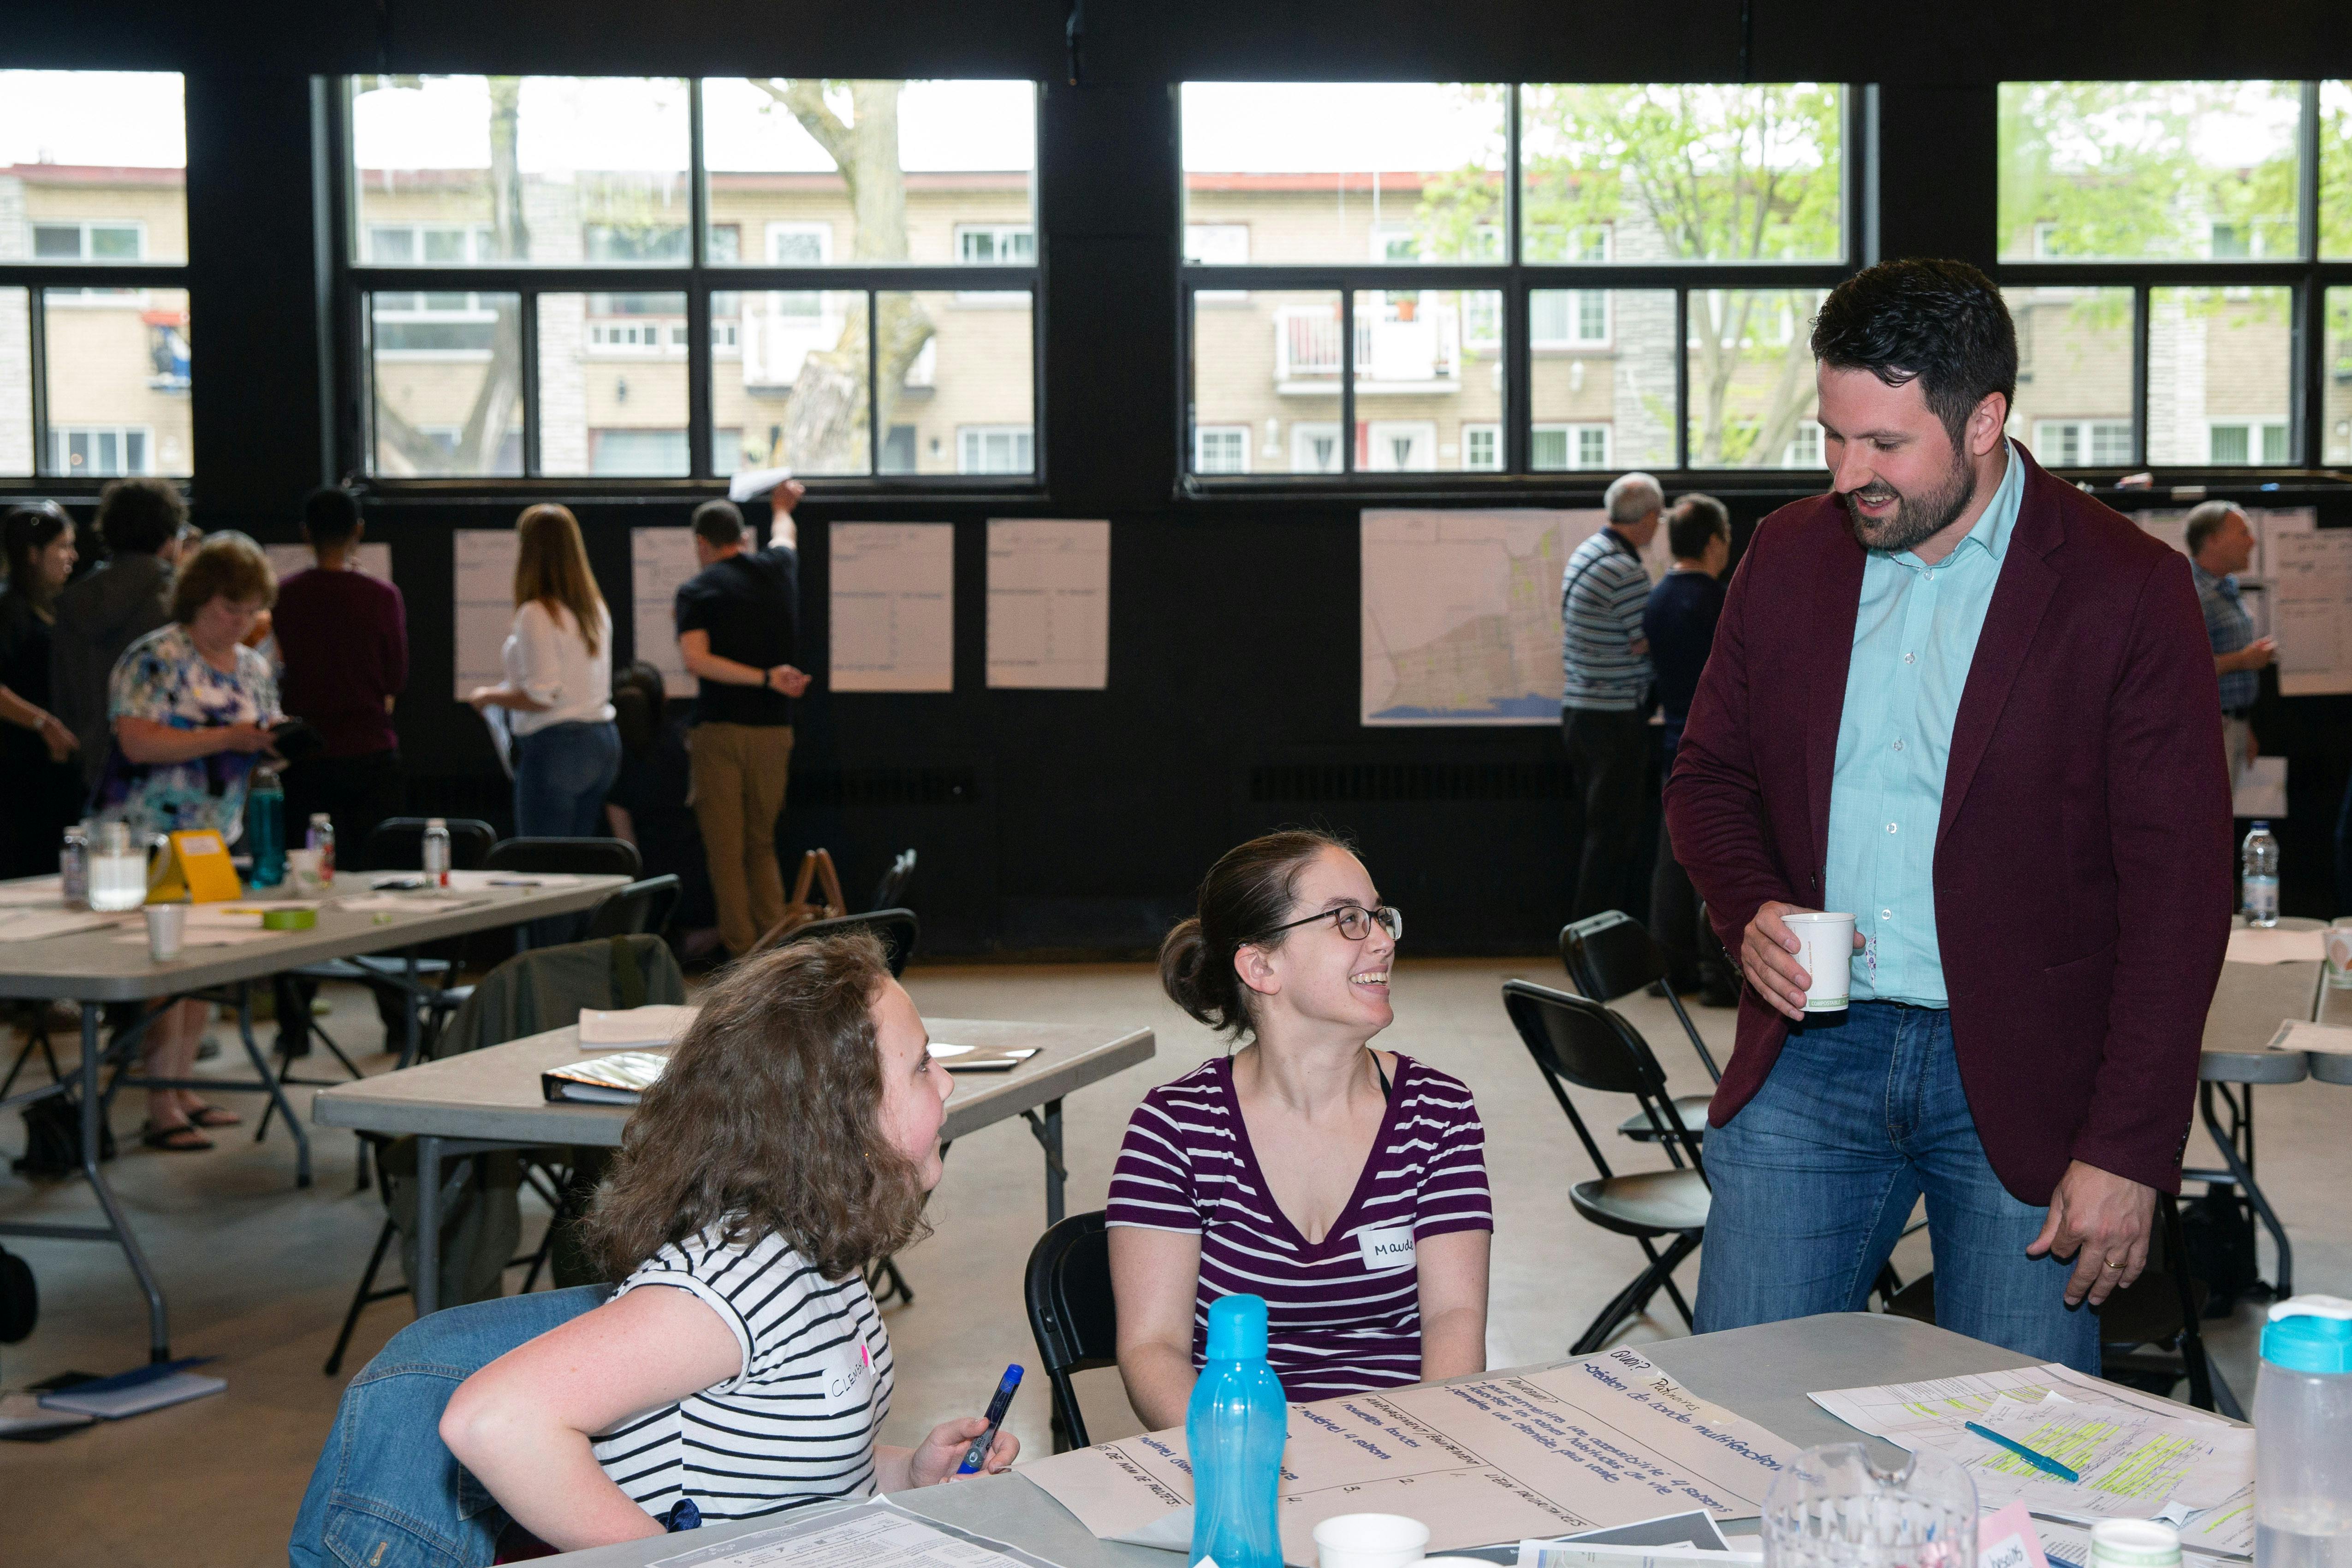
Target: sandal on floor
{"points": [[207, 1115], [181, 1140]]}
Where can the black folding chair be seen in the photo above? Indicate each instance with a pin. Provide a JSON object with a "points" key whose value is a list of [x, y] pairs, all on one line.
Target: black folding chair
{"points": [[897, 929], [890, 893], [397, 843], [2150, 1333], [1072, 1315], [640, 909], [1611, 955], [565, 857], [1577, 1041]]}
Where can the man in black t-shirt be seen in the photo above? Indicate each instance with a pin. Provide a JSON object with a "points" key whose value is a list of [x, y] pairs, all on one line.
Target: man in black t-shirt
{"points": [[739, 630], [1679, 622]]}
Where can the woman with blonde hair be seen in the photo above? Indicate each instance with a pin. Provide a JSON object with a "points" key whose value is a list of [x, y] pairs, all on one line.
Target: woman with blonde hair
{"points": [[559, 682]]}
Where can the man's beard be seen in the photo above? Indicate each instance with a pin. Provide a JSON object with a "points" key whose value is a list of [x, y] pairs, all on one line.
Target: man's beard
{"points": [[1916, 519]]}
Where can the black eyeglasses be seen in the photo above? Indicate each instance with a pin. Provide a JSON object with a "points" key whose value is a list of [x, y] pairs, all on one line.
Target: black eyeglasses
{"points": [[1354, 921]]}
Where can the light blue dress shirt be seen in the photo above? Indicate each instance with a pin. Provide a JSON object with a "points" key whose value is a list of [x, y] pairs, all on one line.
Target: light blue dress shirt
{"points": [[1915, 636]]}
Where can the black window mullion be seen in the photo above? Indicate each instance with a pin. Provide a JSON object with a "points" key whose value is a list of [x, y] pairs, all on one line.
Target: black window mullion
{"points": [[2306, 433], [1519, 351], [1347, 379], [2140, 303], [1682, 379], [701, 425], [37, 333], [873, 391], [526, 340]]}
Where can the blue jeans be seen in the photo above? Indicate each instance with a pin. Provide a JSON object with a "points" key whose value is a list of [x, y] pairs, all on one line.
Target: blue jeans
{"points": [[1815, 1178], [387, 1492], [562, 776]]}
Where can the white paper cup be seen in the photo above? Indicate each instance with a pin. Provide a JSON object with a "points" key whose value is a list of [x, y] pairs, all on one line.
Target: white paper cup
{"points": [[302, 869], [167, 930], [2337, 942], [1370, 1541], [1825, 952]]}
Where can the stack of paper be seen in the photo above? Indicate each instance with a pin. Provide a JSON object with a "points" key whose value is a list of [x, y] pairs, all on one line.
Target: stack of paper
{"points": [[21, 923], [2139, 1457]]}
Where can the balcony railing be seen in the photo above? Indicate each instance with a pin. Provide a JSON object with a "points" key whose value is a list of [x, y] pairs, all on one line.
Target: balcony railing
{"points": [[1416, 347]]}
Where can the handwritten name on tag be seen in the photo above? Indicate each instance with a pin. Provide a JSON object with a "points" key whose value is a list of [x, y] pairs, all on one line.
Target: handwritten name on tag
{"points": [[1386, 1250]]}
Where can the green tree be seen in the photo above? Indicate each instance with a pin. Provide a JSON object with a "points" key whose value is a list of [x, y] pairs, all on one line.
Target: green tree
{"points": [[1686, 173]]}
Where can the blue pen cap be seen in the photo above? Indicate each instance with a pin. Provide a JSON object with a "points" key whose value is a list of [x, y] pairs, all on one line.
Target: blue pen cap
{"points": [[1237, 1327], [2309, 1333]]}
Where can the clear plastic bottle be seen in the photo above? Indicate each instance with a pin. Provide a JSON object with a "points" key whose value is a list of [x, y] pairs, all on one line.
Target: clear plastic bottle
{"points": [[2303, 1436], [265, 826], [1234, 1428], [436, 850], [73, 864], [2259, 862], [322, 838]]}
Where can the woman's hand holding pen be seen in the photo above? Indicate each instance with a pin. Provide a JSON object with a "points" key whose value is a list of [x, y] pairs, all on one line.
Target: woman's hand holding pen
{"points": [[937, 1458]]}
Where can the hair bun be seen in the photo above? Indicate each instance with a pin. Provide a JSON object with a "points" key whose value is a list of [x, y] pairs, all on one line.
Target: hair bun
{"points": [[1183, 961]]}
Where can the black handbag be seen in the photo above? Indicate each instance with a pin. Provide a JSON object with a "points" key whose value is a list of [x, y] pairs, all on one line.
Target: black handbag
{"points": [[53, 1140]]}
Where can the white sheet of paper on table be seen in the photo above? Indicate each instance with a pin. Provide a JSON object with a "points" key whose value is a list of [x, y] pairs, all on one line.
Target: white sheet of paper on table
{"points": [[1607, 1440], [38, 925], [656, 1024], [2276, 944], [33, 892], [2296, 1034], [875, 1534]]}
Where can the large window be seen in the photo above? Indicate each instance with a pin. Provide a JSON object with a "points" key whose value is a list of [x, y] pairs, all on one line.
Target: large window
{"points": [[94, 331], [550, 276], [2159, 243], [1373, 287]]}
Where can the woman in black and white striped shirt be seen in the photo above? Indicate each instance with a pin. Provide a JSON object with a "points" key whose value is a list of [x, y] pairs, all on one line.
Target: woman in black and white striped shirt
{"points": [[789, 1145]]}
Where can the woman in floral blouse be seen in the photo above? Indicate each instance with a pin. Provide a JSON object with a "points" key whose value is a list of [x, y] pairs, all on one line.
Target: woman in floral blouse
{"points": [[190, 708]]}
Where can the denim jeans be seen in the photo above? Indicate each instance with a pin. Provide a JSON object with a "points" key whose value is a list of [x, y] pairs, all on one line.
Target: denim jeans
{"points": [[1815, 1178], [562, 776], [388, 1493]]}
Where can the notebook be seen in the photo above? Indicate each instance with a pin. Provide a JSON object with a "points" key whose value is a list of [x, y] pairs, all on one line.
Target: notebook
{"points": [[620, 1078], [136, 1392]]}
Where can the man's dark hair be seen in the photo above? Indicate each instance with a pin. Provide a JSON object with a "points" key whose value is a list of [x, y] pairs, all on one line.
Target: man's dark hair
{"points": [[140, 516], [330, 515], [719, 523], [2205, 520], [1942, 322], [1697, 521]]}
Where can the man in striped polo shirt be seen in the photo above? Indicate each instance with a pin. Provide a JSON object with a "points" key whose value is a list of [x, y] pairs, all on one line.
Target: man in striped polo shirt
{"points": [[1605, 690]]}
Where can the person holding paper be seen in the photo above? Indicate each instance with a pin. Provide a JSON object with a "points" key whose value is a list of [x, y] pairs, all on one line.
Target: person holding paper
{"points": [[192, 706], [2221, 545], [741, 1368], [1975, 708], [737, 633], [1344, 1185]]}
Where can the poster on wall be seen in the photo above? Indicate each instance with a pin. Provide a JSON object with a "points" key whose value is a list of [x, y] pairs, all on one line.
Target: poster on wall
{"points": [[482, 592], [893, 606], [660, 561], [2297, 587], [1048, 603], [1461, 613]]}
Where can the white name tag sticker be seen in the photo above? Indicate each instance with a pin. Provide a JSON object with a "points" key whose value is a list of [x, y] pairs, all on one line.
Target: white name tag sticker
{"points": [[849, 1380], [1386, 1250]]}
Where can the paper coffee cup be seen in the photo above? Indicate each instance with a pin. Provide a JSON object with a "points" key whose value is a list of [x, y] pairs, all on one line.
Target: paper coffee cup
{"points": [[167, 930], [1370, 1541], [302, 869], [1825, 952]]}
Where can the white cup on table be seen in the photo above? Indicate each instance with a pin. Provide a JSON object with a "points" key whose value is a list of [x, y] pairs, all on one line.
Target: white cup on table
{"points": [[304, 868], [1825, 952], [167, 930], [1370, 1541]]}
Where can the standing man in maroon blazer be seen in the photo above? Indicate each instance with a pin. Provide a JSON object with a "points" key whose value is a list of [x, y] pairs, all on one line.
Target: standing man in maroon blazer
{"points": [[1973, 707]]}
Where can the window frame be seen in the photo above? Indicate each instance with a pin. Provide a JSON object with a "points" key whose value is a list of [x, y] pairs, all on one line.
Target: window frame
{"points": [[699, 278], [1208, 285], [2305, 275]]}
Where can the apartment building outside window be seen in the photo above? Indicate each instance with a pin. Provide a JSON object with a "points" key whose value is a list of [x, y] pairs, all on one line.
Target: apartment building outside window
{"points": [[671, 279], [95, 362], [1464, 277]]}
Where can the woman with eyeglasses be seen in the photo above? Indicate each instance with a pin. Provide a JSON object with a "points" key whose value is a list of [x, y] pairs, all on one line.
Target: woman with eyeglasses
{"points": [[1346, 1185]]}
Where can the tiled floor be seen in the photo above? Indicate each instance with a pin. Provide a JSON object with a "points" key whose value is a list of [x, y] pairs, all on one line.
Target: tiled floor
{"points": [[259, 1273]]}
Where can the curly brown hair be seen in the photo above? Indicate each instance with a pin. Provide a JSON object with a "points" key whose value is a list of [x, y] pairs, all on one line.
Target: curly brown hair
{"points": [[767, 1122]]}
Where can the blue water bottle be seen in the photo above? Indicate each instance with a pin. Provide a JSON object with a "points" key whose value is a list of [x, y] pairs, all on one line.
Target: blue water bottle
{"points": [[1234, 1426], [265, 826]]}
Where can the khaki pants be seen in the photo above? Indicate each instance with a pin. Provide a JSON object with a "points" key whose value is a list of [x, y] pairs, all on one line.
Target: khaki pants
{"points": [[739, 773]]}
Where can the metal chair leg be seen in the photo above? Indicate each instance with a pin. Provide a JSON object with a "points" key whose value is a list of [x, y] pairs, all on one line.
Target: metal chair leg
{"points": [[359, 1296]]}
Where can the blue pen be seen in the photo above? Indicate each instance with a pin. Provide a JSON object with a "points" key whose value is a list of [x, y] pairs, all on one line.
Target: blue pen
{"points": [[2039, 1461], [977, 1455]]}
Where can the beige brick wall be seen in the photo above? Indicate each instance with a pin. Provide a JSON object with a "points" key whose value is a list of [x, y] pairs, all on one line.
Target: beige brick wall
{"points": [[100, 371]]}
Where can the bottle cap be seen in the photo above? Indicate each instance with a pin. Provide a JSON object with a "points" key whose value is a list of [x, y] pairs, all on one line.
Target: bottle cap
{"points": [[2309, 1333], [2134, 1544], [1237, 1327]]}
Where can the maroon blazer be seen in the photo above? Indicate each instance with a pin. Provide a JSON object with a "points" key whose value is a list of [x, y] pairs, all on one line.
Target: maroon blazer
{"points": [[2082, 869]]}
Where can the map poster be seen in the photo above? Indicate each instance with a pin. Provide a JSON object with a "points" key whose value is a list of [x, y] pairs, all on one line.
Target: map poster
{"points": [[1461, 613]]}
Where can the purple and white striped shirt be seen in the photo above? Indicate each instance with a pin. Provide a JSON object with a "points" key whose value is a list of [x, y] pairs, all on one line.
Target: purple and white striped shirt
{"points": [[1344, 1313]]}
